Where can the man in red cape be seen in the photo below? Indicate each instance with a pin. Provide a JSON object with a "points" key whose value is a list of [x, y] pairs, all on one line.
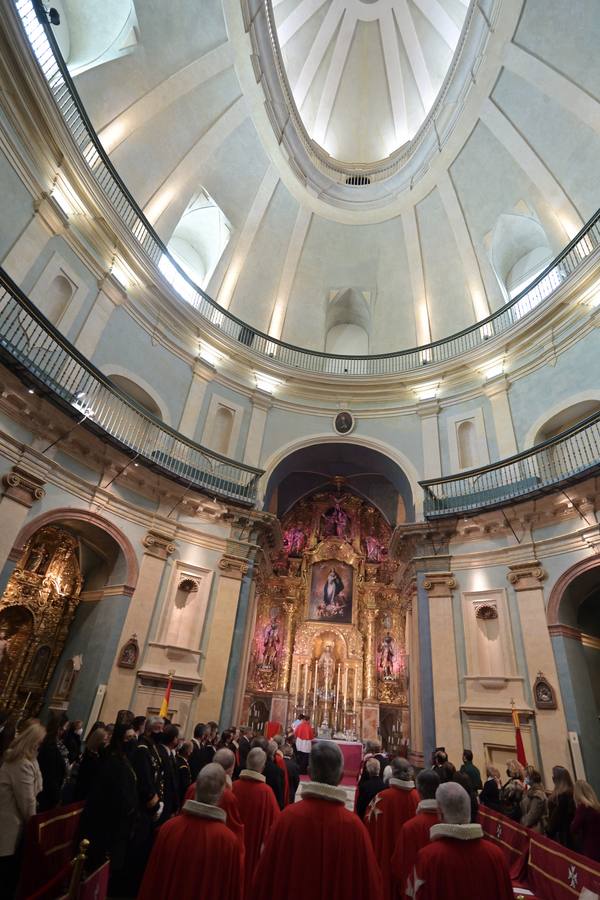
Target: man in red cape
{"points": [[304, 736], [386, 814], [459, 862], [258, 809], [226, 759], [195, 854], [414, 834], [317, 849], [280, 762]]}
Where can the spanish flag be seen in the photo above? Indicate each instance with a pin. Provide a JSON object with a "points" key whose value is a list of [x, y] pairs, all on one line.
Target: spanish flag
{"points": [[519, 740], [164, 707]]}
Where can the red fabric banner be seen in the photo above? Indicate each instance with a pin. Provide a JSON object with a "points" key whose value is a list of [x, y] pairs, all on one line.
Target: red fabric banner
{"points": [[556, 873], [49, 844], [512, 838]]}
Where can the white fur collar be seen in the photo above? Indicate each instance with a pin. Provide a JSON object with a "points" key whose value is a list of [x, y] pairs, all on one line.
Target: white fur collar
{"points": [[403, 785], [204, 810], [324, 791], [251, 775], [427, 806], [459, 832]]}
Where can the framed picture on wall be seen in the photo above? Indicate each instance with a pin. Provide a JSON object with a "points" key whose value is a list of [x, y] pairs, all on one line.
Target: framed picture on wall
{"points": [[331, 592]]}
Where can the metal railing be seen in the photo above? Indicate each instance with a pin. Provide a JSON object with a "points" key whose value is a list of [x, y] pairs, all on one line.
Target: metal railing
{"points": [[63, 91], [40, 355], [570, 456]]}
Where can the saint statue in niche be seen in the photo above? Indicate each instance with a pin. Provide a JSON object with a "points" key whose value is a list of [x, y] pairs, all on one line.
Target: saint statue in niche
{"points": [[271, 642], [37, 559], [294, 540], [387, 655], [336, 522], [375, 548]]}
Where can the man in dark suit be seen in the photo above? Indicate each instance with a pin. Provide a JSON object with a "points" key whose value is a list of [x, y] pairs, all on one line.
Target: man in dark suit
{"points": [[370, 786], [195, 758], [244, 746], [273, 775], [167, 747]]}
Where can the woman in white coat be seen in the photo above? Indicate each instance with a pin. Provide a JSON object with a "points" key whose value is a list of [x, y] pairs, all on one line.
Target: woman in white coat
{"points": [[20, 783]]}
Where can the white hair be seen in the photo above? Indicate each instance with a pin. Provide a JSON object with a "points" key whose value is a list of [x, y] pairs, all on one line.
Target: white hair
{"points": [[256, 760], [454, 803], [326, 763], [210, 784], [373, 766], [402, 769], [226, 758]]}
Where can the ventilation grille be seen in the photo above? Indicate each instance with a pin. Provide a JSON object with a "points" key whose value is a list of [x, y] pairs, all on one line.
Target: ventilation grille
{"points": [[357, 180]]}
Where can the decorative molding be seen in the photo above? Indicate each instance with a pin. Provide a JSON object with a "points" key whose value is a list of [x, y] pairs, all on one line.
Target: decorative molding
{"points": [[129, 653], [544, 695], [560, 586], [440, 584], [158, 544], [487, 610], [567, 631], [526, 576], [23, 487], [233, 567]]}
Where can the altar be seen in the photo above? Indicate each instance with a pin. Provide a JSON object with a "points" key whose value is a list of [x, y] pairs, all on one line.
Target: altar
{"points": [[352, 752]]}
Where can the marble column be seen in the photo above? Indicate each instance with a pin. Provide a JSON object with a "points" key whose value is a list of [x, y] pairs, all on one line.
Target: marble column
{"points": [[370, 671], [110, 295], [218, 651], [202, 375], [446, 697], [261, 403], [21, 490], [526, 579], [122, 683], [497, 391]]}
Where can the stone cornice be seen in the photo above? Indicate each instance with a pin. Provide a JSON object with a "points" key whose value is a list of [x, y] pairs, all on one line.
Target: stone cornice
{"points": [[526, 576]]}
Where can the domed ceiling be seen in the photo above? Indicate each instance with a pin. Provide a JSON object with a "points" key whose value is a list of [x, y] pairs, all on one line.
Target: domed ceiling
{"points": [[365, 73]]}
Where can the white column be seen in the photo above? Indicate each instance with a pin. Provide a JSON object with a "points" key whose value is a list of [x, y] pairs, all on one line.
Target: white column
{"points": [[202, 374], [497, 391], [446, 694], [261, 403], [432, 460], [110, 295], [47, 221]]}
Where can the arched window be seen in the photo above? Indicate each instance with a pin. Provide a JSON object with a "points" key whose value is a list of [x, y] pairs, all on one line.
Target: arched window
{"points": [[222, 430], [138, 394], [519, 251], [199, 239], [466, 436], [348, 323], [95, 32], [57, 298]]}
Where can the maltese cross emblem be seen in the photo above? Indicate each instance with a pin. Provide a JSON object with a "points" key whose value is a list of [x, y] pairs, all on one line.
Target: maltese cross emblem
{"points": [[573, 876]]}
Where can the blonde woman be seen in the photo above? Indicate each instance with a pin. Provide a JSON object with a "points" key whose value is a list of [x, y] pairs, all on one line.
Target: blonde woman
{"points": [[585, 827], [20, 783]]}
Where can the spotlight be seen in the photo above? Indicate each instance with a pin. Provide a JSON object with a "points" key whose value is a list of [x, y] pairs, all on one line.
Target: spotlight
{"points": [[80, 395], [31, 391]]}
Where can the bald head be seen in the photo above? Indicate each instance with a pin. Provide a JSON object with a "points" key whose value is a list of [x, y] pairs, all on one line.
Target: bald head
{"points": [[326, 763], [256, 759], [454, 804], [210, 784], [226, 759]]}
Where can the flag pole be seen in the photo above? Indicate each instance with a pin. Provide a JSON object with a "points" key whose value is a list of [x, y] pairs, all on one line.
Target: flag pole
{"points": [[164, 707]]}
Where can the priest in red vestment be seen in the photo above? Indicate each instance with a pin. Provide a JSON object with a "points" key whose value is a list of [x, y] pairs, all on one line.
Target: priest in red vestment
{"points": [[280, 762], [195, 854], [414, 834], [317, 848], [459, 862], [304, 736], [226, 759], [386, 814], [258, 809]]}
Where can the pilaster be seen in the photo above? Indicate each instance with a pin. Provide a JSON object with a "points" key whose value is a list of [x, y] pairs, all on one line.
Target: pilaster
{"points": [[21, 489], [48, 220], [261, 403], [497, 391], [109, 296], [202, 375], [430, 434], [527, 580]]}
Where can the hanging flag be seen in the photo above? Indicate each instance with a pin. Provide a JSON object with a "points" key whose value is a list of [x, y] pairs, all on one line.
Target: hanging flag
{"points": [[164, 707], [519, 740]]}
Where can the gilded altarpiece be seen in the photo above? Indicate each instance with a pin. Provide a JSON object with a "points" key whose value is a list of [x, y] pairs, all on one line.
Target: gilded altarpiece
{"points": [[330, 634], [36, 611]]}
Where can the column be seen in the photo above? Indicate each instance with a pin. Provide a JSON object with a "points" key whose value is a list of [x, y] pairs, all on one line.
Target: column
{"points": [[48, 220], [446, 698], [432, 461], [214, 672], [261, 403], [202, 375], [21, 490], [110, 295], [526, 579], [370, 705], [497, 391], [414, 692], [122, 683]]}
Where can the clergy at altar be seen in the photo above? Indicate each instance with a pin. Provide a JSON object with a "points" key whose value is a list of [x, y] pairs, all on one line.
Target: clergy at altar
{"points": [[317, 849], [258, 809], [414, 834], [459, 862], [387, 813], [195, 854]]}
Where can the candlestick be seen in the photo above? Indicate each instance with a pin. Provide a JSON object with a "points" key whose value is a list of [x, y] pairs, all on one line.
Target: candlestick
{"points": [[305, 685], [315, 693], [297, 688], [346, 689], [355, 681], [337, 691]]}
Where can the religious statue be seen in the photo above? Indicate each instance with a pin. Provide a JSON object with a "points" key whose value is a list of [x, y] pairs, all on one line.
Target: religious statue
{"points": [[337, 522], [294, 540], [387, 653], [37, 559], [271, 642], [4, 646], [375, 549]]}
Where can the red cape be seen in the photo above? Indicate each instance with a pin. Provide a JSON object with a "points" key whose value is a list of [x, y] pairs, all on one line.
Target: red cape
{"points": [[229, 804], [455, 869], [280, 761], [193, 857], [414, 835], [304, 731], [385, 816], [258, 810], [317, 850]]}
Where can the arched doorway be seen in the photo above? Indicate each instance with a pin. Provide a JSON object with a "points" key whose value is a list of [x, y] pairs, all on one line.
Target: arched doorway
{"points": [[574, 624], [62, 613]]}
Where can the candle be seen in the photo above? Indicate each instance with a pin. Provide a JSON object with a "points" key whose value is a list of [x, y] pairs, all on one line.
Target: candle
{"points": [[305, 685], [355, 681], [346, 688], [297, 688], [315, 692], [337, 691]]}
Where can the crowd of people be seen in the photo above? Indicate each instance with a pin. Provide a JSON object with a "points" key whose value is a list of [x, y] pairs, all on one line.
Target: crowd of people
{"points": [[214, 816]]}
